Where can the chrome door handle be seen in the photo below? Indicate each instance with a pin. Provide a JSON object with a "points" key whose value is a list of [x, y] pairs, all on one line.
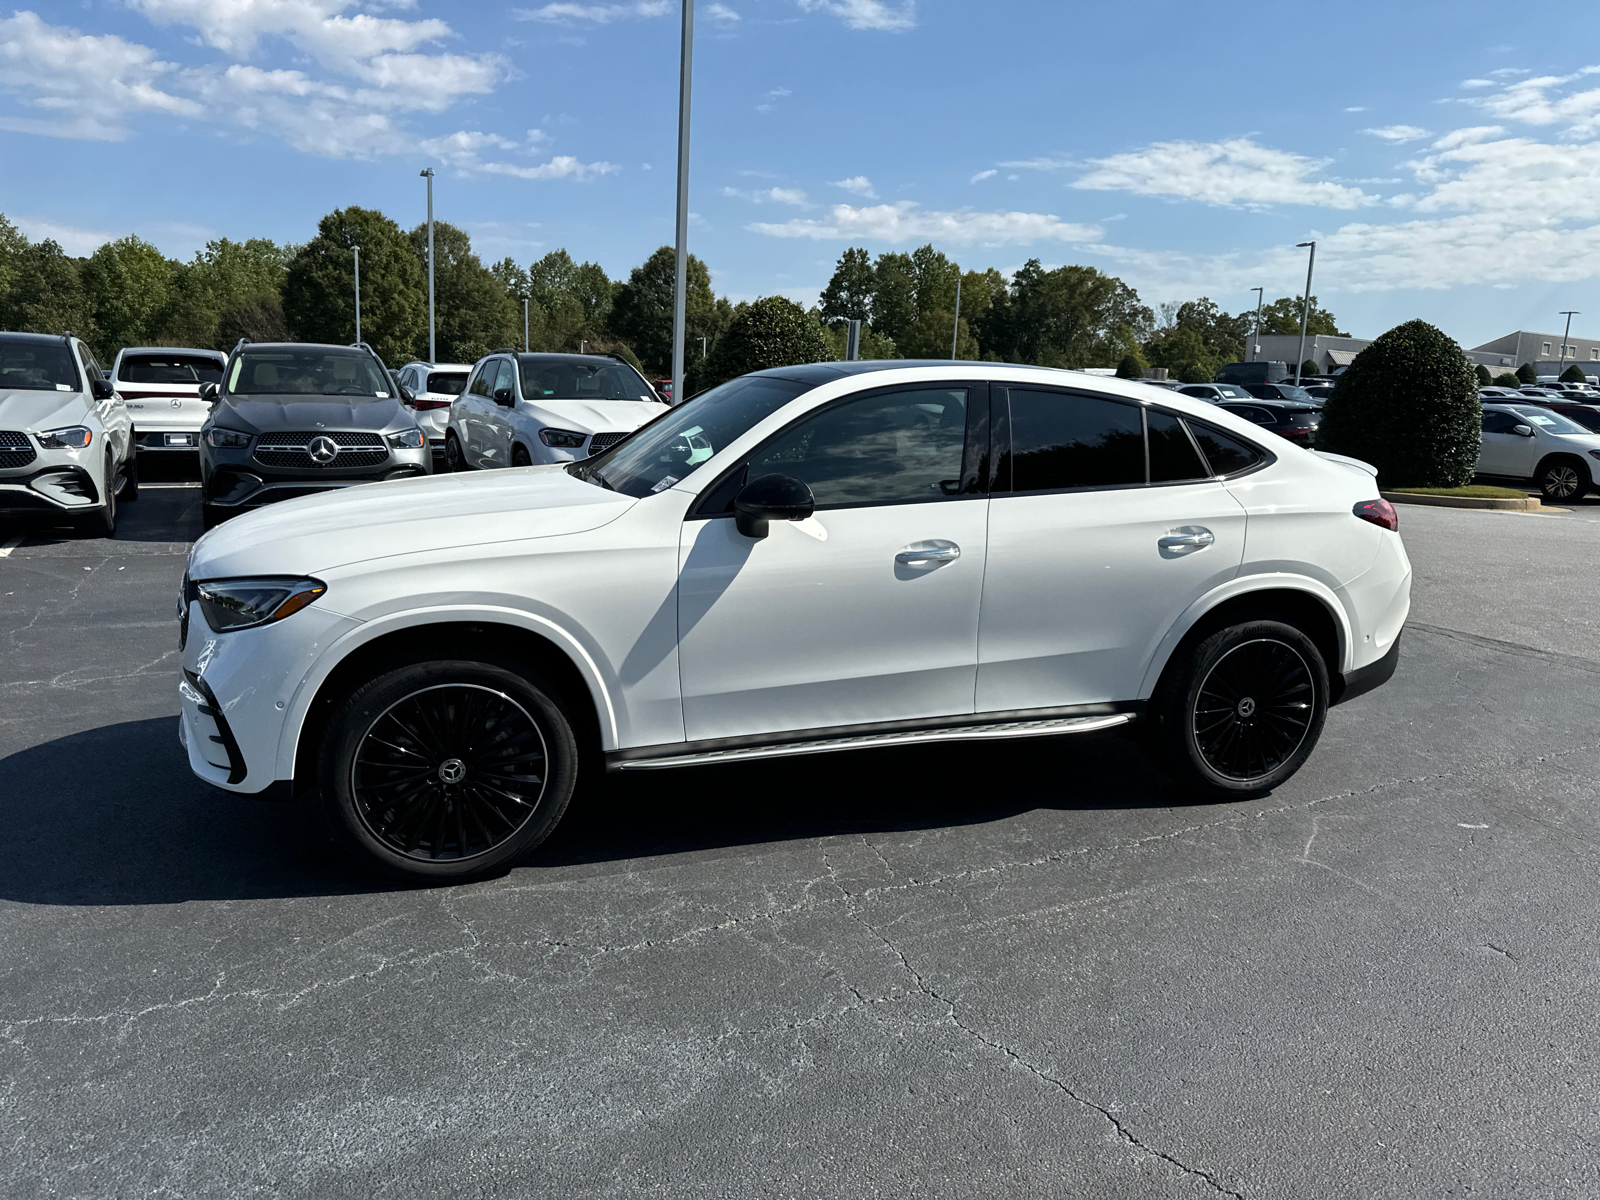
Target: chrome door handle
{"points": [[920, 558], [1187, 541]]}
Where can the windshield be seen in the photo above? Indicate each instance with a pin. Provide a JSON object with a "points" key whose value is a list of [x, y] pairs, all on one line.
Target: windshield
{"points": [[169, 368], [447, 383], [1548, 421], [37, 367], [546, 379], [680, 439], [306, 372]]}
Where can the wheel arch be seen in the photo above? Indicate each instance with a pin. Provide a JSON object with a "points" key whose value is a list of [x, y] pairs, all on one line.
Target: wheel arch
{"points": [[421, 639], [1559, 455]]}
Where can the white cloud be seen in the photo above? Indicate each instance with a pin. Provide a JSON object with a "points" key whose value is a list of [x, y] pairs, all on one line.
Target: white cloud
{"points": [[867, 14], [906, 221], [775, 195], [1507, 72], [1235, 172], [596, 14], [1398, 133], [75, 241], [1530, 101], [1357, 108], [721, 13], [1477, 83], [1041, 164], [982, 175], [316, 27], [859, 184]]}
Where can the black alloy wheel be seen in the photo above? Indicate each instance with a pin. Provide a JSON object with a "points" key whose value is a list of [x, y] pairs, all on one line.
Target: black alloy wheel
{"points": [[520, 457], [1563, 479], [454, 459], [446, 771], [101, 522], [1239, 711]]}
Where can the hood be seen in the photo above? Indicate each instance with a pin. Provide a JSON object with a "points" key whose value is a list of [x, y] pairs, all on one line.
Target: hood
{"points": [[404, 516], [29, 409], [595, 416], [278, 414]]}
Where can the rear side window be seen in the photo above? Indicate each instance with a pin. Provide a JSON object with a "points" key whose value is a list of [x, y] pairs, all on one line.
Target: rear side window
{"points": [[1064, 441], [1225, 454], [1173, 458]]}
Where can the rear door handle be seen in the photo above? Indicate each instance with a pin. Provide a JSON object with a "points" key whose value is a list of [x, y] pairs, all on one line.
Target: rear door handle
{"points": [[1196, 539], [929, 554]]}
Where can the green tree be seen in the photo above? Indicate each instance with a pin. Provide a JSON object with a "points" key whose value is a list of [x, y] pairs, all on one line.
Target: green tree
{"points": [[1482, 372], [1185, 355], [1573, 374], [1507, 380], [1073, 316], [1222, 335], [230, 290], [13, 245], [929, 336], [978, 292], [47, 294], [1526, 374], [512, 278], [473, 313], [894, 296], [642, 312], [772, 332], [1282, 316], [874, 346], [551, 276], [257, 320], [128, 287], [848, 296], [936, 277], [318, 292], [1408, 405]]}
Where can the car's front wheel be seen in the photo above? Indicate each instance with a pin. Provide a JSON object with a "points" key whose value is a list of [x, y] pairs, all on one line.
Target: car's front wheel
{"points": [[1239, 712], [446, 771], [454, 459], [1563, 479], [101, 522]]}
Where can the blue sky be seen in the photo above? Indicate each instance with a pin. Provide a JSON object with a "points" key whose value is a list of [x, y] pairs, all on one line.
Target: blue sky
{"points": [[1445, 156]]}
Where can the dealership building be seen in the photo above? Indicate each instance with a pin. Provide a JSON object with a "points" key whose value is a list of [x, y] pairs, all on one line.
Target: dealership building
{"points": [[1506, 353]]}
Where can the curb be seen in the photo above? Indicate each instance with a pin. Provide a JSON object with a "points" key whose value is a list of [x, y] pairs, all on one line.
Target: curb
{"points": [[1527, 504]]}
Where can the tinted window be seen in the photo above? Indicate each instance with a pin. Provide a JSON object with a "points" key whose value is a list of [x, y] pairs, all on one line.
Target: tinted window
{"points": [[36, 366], [504, 377], [307, 373], [446, 383], [1499, 422], [1172, 455], [480, 381], [1225, 454], [1251, 413], [192, 369], [1587, 417], [554, 379], [1204, 393], [903, 447], [1063, 441]]}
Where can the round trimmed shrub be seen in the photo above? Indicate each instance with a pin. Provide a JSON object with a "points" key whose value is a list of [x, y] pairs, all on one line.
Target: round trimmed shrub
{"points": [[1507, 379], [772, 332], [1408, 405], [1573, 374], [1527, 374], [1130, 368], [1482, 372]]}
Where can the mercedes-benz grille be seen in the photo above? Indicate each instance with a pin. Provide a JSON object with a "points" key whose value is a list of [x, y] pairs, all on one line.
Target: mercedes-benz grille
{"points": [[317, 449], [15, 449], [601, 442]]}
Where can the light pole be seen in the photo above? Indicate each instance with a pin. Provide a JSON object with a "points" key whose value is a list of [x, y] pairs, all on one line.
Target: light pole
{"points": [[1568, 316], [427, 173], [524, 324], [358, 292], [702, 349], [955, 326], [1255, 330], [680, 281], [1305, 309]]}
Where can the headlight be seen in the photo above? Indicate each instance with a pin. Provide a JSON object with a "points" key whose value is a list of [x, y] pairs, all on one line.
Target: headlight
{"points": [[407, 439], [73, 437], [227, 439], [241, 603], [567, 439], [1594, 454]]}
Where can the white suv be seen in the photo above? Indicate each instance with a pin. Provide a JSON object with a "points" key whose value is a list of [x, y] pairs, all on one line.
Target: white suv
{"points": [[161, 385], [804, 560], [521, 410], [66, 439], [1531, 444], [434, 388]]}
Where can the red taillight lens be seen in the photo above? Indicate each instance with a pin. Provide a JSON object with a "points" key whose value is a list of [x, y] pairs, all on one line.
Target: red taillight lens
{"points": [[425, 405], [1379, 512]]}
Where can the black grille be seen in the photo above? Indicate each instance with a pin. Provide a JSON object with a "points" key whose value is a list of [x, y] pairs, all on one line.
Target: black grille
{"points": [[15, 449], [289, 450], [339, 439], [601, 442]]}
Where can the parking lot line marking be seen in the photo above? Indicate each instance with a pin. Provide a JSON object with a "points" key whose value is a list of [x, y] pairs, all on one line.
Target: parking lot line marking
{"points": [[5, 551]]}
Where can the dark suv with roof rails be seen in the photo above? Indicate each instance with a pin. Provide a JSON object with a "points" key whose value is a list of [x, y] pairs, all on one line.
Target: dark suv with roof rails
{"points": [[295, 418]]}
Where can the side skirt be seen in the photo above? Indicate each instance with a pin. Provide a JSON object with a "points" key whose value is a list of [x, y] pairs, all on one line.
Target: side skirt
{"points": [[1081, 719]]}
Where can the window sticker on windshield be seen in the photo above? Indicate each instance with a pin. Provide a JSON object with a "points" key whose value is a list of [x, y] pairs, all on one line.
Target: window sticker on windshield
{"points": [[665, 483], [1538, 420], [63, 387]]}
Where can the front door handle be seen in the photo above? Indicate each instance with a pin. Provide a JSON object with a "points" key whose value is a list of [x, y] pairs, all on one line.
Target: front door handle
{"points": [[1189, 539], [928, 554]]}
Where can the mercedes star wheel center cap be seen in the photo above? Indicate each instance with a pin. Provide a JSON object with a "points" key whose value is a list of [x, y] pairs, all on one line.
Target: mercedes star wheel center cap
{"points": [[323, 449], [452, 770], [1247, 707]]}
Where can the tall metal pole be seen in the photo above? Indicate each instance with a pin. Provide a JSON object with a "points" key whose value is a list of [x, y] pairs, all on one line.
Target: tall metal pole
{"points": [[680, 281], [1564, 336], [525, 324], [955, 326], [358, 293], [1254, 347], [432, 354], [1305, 310]]}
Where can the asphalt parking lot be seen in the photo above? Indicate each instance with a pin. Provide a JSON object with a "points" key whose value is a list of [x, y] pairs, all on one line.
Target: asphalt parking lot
{"points": [[1027, 969]]}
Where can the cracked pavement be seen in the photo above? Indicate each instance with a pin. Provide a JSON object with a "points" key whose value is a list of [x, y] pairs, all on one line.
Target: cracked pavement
{"points": [[1028, 969]]}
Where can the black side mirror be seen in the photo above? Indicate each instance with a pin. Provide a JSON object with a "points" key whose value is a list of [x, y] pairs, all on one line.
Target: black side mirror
{"points": [[407, 397], [208, 392], [1522, 430], [100, 388], [771, 498], [502, 397]]}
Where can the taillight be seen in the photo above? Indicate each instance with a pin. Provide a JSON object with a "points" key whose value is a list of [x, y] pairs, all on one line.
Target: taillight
{"points": [[425, 405], [1379, 512]]}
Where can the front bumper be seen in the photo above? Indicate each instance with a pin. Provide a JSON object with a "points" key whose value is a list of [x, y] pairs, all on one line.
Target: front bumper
{"points": [[236, 480], [55, 481]]}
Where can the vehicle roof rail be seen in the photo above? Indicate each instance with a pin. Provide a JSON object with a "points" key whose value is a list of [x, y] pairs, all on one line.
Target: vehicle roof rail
{"points": [[504, 350], [240, 342]]}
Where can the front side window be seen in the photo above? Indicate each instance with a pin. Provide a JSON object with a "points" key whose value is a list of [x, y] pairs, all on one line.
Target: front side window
{"points": [[1063, 441], [480, 381], [503, 378], [555, 379], [306, 372], [36, 367], [901, 447], [1499, 422]]}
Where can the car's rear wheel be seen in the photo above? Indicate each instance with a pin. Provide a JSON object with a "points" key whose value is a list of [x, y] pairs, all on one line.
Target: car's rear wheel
{"points": [[1239, 712], [446, 771], [454, 459], [1563, 479], [101, 522]]}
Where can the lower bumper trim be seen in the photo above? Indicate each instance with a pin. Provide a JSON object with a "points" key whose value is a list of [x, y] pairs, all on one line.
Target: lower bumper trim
{"points": [[1370, 677]]}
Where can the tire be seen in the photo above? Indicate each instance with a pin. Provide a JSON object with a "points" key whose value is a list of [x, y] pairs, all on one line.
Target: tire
{"points": [[520, 457], [1237, 713], [130, 472], [408, 788], [1563, 479], [455, 460], [101, 522]]}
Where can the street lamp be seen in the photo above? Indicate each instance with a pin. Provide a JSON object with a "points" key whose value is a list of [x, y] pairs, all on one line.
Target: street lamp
{"points": [[680, 280], [1305, 309], [524, 323], [955, 326], [1568, 316], [1255, 330], [357, 249], [427, 174]]}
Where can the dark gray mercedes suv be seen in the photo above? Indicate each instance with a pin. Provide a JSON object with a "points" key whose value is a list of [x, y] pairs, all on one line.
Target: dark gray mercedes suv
{"points": [[295, 418]]}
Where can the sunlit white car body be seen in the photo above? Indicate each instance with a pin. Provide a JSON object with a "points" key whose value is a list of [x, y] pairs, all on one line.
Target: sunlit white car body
{"points": [[166, 408], [432, 407], [683, 633], [1554, 452]]}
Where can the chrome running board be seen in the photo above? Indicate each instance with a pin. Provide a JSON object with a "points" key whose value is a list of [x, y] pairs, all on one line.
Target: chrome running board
{"points": [[952, 733]]}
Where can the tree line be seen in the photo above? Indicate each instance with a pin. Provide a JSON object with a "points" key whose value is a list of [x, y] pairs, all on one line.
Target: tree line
{"points": [[910, 305]]}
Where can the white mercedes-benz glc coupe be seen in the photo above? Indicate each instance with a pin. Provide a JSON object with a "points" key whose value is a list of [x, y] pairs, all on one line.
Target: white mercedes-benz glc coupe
{"points": [[803, 560]]}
